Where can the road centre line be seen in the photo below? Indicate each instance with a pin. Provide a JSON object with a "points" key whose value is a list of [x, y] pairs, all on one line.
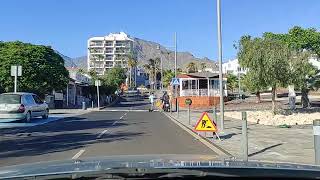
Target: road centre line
{"points": [[76, 156], [102, 133]]}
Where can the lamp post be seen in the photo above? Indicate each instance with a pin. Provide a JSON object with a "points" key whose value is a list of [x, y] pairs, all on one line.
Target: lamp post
{"points": [[220, 66]]}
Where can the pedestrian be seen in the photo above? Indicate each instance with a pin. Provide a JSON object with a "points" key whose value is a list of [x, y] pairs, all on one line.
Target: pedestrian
{"points": [[165, 100], [151, 99]]}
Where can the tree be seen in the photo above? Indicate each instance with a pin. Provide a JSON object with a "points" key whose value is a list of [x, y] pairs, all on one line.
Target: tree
{"points": [[114, 78], [203, 66], [303, 43], [191, 67], [42, 69], [152, 68], [132, 64], [232, 82], [167, 77], [267, 61], [81, 71]]}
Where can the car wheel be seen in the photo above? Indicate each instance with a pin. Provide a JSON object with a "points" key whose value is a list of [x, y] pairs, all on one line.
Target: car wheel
{"points": [[46, 114], [27, 119]]}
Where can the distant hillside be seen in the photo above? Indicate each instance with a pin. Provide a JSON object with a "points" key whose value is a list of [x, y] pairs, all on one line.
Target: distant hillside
{"points": [[68, 62], [81, 62], [147, 50]]}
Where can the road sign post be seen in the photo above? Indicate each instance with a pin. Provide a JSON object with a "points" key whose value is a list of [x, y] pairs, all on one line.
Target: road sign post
{"points": [[316, 140], [244, 136], [177, 108], [16, 71], [188, 102], [98, 83]]}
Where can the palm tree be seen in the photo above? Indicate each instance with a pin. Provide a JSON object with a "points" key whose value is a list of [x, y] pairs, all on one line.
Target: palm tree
{"points": [[203, 66], [167, 77], [152, 68], [148, 69], [191, 67], [132, 64], [81, 71]]}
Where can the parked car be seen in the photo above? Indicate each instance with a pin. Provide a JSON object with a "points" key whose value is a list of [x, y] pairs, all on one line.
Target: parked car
{"points": [[22, 106]]}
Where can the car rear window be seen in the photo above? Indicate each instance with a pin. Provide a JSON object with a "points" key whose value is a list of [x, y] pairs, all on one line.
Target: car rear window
{"points": [[10, 99]]}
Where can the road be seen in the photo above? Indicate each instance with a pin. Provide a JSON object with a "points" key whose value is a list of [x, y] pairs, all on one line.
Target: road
{"points": [[127, 128]]}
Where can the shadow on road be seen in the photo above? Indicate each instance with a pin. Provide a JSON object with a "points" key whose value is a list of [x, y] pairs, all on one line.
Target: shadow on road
{"points": [[44, 144], [264, 149]]}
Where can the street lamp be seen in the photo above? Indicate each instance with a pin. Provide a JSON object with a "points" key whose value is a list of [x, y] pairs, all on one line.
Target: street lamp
{"points": [[220, 65]]}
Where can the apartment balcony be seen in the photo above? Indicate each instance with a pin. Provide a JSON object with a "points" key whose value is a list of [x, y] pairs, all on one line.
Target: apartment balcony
{"points": [[96, 44], [97, 52], [108, 44], [120, 52]]}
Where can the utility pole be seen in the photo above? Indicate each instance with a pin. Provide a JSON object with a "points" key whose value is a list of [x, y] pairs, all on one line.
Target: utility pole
{"points": [[175, 68], [161, 66], [161, 73], [175, 55], [240, 97], [220, 66]]}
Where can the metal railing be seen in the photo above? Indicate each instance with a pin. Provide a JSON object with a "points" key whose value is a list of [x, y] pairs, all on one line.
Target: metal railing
{"points": [[199, 92]]}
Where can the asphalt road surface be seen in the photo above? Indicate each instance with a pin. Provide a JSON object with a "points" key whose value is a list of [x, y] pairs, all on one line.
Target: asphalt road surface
{"points": [[127, 128]]}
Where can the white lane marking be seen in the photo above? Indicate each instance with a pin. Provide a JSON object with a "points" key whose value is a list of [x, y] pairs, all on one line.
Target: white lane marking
{"points": [[121, 117], [125, 114], [102, 133], [114, 123], [127, 110], [76, 156]]}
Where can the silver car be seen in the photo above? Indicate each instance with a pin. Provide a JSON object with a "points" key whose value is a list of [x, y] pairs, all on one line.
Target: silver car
{"points": [[21, 106]]}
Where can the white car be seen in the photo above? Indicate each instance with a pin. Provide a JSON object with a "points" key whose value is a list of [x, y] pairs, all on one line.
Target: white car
{"points": [[22, 106]]}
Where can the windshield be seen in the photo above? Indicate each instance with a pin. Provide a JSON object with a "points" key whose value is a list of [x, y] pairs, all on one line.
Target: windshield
{"points": [[10, 99], [213, 79]]}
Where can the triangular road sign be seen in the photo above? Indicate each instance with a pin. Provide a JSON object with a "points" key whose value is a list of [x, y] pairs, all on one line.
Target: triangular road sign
{"points": [[205, 124], [175, 81]]}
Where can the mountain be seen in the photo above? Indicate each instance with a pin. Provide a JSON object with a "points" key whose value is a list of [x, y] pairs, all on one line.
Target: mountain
{"points": [[81, 62], [147, 50], [68, 61]]}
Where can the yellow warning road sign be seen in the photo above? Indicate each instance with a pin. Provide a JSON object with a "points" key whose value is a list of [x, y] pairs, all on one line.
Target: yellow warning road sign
{"points": [[205, 124]]}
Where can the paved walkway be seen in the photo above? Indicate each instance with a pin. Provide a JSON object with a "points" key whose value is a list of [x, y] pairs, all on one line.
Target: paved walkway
{"points": [[266, 143]]}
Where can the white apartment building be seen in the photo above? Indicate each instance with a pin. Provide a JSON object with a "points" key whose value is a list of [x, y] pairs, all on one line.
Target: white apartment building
{"points": [[109, 51], [232, 66]]}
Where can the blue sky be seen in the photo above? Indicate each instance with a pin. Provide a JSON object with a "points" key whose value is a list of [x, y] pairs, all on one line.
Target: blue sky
{"points": [[67, 24]]}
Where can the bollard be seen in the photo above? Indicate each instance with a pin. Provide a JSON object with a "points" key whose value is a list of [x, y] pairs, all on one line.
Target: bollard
{"points": [[171, 107], [316, 140], [244, 142], [92, 104], [84, 106], [189, 114]]}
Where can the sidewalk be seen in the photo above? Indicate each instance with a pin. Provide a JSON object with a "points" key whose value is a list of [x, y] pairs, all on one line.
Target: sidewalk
{"points": [[267, 143], [68, 112]]}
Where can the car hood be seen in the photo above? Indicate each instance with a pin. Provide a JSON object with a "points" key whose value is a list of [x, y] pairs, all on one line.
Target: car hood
{"points": [[136, 161]]}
